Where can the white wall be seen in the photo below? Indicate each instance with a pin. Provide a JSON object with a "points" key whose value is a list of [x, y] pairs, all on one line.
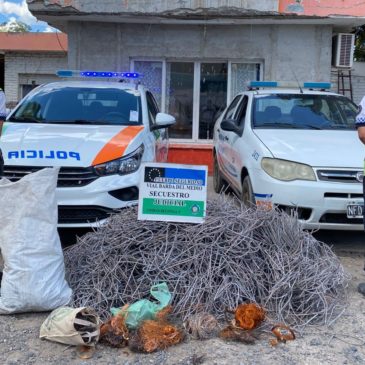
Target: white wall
{"points": [[287, 51], [27, 67], [357, 79]]}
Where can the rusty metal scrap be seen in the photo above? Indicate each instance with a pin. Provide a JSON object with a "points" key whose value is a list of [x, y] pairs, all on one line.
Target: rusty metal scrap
{"points": [[243, 327], [248, 316], [114, 332], [154, 335], [282, 333], [231, 333]]}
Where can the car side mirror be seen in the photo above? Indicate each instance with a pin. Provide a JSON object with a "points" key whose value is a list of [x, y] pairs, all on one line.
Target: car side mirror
{"points": [[164, 120], [229, 125]]}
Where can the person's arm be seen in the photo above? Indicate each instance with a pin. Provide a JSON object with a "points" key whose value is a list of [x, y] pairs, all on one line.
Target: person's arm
{"points": [[360, 121], [361, 133]]}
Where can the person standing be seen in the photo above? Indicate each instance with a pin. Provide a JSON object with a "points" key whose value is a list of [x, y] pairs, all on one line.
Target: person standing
{"points": [[2, 106], [360, 125]]}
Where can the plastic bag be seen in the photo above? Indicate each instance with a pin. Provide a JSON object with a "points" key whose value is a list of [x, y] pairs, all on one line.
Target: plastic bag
{"points": [[34, 273], [72, 326], [144, 309]]}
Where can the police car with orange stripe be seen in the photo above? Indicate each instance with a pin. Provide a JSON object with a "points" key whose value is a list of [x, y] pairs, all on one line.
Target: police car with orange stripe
{"points": [[98, 132]]}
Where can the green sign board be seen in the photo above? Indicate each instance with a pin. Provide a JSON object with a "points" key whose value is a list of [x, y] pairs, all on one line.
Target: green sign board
{"points": [[173, 193]]}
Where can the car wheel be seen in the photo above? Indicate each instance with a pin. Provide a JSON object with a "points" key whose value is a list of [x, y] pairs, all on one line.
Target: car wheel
{"points": [[218, 182], [247, 195]]}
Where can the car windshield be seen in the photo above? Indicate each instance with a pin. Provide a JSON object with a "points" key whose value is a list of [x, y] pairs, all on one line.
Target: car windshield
{"points": [[81, 105], [303, 111]]}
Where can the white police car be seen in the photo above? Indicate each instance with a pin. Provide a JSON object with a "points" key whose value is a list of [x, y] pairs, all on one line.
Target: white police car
{"points": [[98, 132], [295, 148]]}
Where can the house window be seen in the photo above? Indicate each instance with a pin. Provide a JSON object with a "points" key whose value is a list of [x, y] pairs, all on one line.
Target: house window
{"points": [[179, 98], [25, 89], [195, 92], [152, 77], [241, 73], [213, 96]]}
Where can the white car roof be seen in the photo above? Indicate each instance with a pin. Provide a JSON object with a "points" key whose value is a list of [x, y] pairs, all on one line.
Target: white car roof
{"points": [[289, 91], [94, 84]]}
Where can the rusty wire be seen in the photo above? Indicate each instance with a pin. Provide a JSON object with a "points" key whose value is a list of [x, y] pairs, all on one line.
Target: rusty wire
{"points": [[237, 255]]}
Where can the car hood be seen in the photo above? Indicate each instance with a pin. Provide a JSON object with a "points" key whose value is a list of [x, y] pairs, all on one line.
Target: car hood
{"points": [[66, 145], [317, 148]]}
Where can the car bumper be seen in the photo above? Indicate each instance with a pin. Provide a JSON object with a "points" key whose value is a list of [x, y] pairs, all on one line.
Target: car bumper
{"points": [[91, 205], [324, 203]]}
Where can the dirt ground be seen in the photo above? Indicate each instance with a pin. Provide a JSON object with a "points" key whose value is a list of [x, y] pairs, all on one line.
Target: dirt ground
{"points": [[343, 343]]}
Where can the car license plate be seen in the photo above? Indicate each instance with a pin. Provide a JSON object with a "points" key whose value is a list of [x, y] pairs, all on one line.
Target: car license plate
{"points": [[355, 210]]}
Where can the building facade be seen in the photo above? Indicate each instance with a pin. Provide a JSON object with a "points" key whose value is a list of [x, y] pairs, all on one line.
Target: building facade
{"points": [[30, 59], [195, 55]]}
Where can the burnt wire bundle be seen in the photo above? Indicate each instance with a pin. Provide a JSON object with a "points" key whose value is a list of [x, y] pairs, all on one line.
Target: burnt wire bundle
{"points": [[237, 255]]}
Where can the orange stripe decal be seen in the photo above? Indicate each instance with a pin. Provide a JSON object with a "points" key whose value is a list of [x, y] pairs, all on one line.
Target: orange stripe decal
{"points": [[116, 147]]}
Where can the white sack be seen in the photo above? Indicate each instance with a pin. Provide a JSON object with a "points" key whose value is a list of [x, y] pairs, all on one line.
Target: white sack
{"points": [[34, 271]]}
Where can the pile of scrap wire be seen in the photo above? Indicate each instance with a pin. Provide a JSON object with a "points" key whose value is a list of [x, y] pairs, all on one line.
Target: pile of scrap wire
{"points": [[238, 255]]}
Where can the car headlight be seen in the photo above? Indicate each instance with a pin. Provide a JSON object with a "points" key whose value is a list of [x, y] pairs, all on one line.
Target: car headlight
{"points": [[121, 166], [287, 170]]}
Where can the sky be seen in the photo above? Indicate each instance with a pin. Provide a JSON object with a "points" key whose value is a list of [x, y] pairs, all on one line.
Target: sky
{"points": [[11, 10]]}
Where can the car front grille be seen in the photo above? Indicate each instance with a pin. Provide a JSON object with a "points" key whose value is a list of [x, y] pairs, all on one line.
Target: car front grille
{"points": [[68, 176], [339, 218], [341, 176], [302, 213], [82, 213], [343, 195]]}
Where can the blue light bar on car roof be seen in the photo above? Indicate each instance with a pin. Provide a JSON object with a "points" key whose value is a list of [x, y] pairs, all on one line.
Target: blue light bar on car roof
{"points": [[292, 84], [317, 85], [64, 73], [257, 84], [102, 74]]}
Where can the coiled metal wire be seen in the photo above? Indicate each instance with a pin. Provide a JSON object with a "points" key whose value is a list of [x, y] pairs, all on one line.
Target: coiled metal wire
{"points": [[237, 255]]}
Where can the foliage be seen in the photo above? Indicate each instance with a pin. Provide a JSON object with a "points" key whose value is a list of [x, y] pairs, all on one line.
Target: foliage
{"points": [[359, 54], [15, 26]]}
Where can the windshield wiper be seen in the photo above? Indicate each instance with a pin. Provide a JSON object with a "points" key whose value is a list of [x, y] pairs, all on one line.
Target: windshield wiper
{"points": [[24, 120], [93, 122], [279, 125], [89, 122], [340, 126], [288, 125], [310, 126]]}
